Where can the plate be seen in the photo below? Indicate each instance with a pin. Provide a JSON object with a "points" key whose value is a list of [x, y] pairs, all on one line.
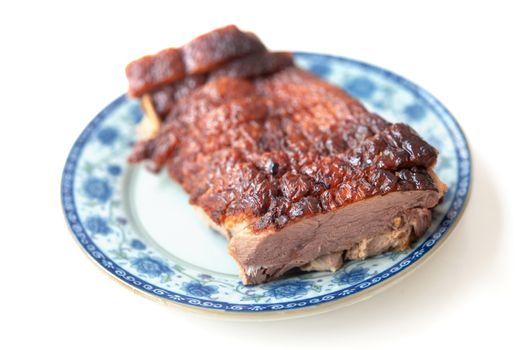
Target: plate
{"points": [[140, 229]]}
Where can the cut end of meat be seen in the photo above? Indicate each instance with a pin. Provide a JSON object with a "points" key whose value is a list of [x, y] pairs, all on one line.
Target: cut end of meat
{"points": [[321, 243]]}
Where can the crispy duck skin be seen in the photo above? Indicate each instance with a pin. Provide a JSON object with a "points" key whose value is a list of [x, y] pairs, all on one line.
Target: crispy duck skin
{"points": [[199, 56], [258, 64], [291, 169]]}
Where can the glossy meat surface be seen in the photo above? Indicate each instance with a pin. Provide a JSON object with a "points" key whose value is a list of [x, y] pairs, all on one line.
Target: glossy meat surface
{"points": [[274, 149], [254, 65]]}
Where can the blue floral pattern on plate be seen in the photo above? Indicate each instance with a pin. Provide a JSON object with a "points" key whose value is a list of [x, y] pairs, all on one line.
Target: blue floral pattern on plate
{"points": [[197, 289], [151, 266], [287, 289], [352, 276], [97, 189], [97, 225], [107, 136], [93, 198]]}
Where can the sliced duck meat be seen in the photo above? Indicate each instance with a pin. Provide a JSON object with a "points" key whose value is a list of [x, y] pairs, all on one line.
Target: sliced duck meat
{"points": [[293, 171]]}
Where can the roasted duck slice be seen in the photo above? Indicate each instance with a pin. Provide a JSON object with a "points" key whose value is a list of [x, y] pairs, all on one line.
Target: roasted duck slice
{"points": [[291, 169]]}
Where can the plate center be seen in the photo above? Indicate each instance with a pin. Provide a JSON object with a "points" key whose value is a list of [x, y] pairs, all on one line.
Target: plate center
{"points": [[165, 219]]}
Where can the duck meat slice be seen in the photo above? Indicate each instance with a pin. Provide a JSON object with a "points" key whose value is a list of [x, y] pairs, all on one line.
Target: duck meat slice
{"points": [[292, 170]]}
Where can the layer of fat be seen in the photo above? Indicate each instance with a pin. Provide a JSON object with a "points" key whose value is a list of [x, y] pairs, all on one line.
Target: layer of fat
{"points": [[150, 124]]}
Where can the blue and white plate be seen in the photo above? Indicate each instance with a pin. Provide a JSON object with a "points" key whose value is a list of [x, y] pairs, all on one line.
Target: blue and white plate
{"points": [[141, 230]]}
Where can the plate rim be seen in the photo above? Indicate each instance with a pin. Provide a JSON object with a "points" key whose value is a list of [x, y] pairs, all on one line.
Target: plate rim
{"points": [[335, 299]]}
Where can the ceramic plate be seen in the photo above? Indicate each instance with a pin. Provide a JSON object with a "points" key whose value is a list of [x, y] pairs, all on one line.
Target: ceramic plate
{"points": [[141, 230]]}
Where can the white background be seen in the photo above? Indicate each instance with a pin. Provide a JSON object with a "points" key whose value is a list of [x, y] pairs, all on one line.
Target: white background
{"points": [[61, 63]]}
